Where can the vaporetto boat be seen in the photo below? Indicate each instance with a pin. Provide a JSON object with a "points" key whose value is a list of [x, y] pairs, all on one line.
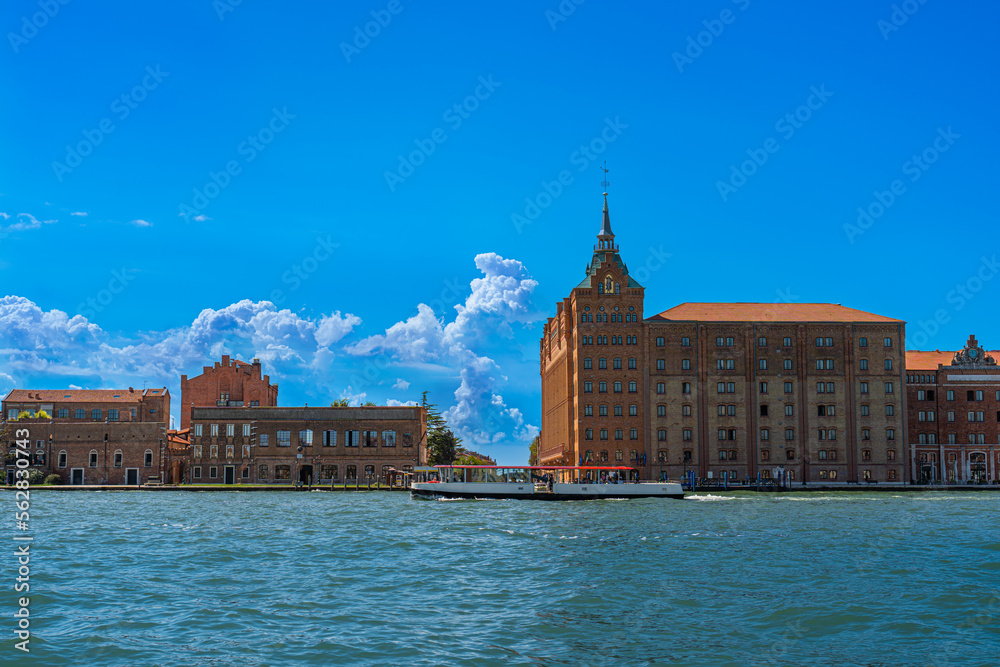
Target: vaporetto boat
{"points": [[537, 483]]}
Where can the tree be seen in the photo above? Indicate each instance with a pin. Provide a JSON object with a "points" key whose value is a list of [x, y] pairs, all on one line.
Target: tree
{"points": [[341, 403], [442, 446], [369, 404], [435, 421], [24, 414], [533, 451], [470, 460]]}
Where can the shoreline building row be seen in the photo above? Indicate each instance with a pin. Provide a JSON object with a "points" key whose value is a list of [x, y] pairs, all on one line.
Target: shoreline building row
{"points": [[821, 393], [232, 432]]}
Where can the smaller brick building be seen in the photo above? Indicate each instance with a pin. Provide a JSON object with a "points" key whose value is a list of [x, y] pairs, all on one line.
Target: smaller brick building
{"points": [[92, 453], [954, 415], [91, 405], [231, 383], [261, 445]]}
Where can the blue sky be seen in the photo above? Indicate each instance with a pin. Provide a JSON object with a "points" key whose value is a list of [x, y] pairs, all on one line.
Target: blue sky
{"points": [[128, 113]]}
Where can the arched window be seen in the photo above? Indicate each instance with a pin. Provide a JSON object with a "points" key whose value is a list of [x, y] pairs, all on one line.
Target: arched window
{"points": [[118, 458], [604, 455], [619, 455], [618, 289], [352, 472], [147, 458], [600, 288], [62, 458], [93, 458], [633, 455]]}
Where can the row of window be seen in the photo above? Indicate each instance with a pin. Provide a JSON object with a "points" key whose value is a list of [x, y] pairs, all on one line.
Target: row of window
{"points": [[729, 341], [588, 410], [730, 410], [602, 363], [93, 459], [765, 434], [974, 438], [633, 434], [602, 387], [971, 416], [730, 387], [305, 437], [97, 414], [615, 317], [602, 456], [284, 472], [615, 340]]}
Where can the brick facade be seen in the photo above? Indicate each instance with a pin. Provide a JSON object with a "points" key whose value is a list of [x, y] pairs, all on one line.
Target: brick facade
{"points": [[230, 383], [261, 445], [814, 390], [954, 420], [93, 453]]}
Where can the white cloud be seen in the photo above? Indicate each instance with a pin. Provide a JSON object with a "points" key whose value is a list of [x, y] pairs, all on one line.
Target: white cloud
{"points": [[355, 399], [201, 218], [401, 384], [25, 222], [332, 329], [141, 223], [80, 213], [503, 295], [394, 403]]}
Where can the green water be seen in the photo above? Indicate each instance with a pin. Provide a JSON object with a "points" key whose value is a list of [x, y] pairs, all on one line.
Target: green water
{"points": [[376, 578]]}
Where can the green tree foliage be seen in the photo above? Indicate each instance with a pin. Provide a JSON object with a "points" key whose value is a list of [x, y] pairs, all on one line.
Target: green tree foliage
{"points": [[341, 403], [442, 447], [533, 451], [36, 476], [42, 414], [369, 404], [24, 414], [470, 460], [52, 480]]}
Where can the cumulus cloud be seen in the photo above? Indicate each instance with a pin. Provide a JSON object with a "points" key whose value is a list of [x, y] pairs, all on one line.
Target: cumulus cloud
{"points": [[401, 384], [24, 222], [394, 403], [501, 296], [142, 223], [80, 213]]}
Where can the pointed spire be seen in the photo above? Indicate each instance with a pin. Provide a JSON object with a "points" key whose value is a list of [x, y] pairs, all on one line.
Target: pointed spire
{"points": [[606, 237], [606, 223]]}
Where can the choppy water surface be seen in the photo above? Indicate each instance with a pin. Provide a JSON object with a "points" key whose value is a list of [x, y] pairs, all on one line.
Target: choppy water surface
{"points": [[343, 578]]}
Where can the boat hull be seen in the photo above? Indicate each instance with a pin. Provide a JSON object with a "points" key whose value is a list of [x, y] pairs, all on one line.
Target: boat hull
{"points": [[515, 491]]}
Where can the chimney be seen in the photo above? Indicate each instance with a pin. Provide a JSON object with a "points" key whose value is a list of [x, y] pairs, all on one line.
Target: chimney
{"points": [[131, 390]]}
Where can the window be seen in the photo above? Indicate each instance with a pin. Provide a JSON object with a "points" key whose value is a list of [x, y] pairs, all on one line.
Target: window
{"points": [[62, 458], [246, 430], [618, 411], [95, 414], [686, 435], [790, 454], [865, 410], [789, 410], [284, 439], [890, 434], [685, 365], [215, 430], [731, 387], [118, 458], [587, 363], [762, 364], [147, 459], [890, 410], [864, 387], [720, 341], [866, 455], [602, 456], [588, 387], [866, 434], [263, 440], [951, 395], [602, 410], [388, 438], [329, 438], [763, 387], [687, 455], [589, 434], [112, 415], [661, 410], [602, 387], [245, 451], [887, 342], [761, 342], [196, 472], [788, 387], [230, 430], [79, 413], [789, 434], [723, 454], [618, 387], [633, 434], [369, 438], [729, 341], [864, 364], [765, 455], [282, 472], [604, 434], [588, 411], [788, 364], [862, 342], [602, 364], [765, 434], [685, 341], [763, 409], [890, 455], [888, 364], [979, 395], [245, 472], [888, 387], [632, 387], [659, 341], [661, 388], [197, 430], [661, 435], [685, 387], [787, 342], [213, 451], [686, 410], [93, 459], [617, 365]]}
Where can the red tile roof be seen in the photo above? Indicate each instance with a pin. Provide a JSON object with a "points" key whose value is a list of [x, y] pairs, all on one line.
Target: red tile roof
{"points": [[76, 395], [768, 312]]}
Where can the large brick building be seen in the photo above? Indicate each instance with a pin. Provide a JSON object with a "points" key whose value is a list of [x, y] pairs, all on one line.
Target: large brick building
{"points": [[230, 383], [91, 405], [954, 425], [311, 445], [814, 390]]}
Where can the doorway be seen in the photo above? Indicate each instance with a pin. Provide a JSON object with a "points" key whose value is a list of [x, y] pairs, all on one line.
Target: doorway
{"points": [[306, 474], [132, 476], [229, 475], [76, 477]]}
